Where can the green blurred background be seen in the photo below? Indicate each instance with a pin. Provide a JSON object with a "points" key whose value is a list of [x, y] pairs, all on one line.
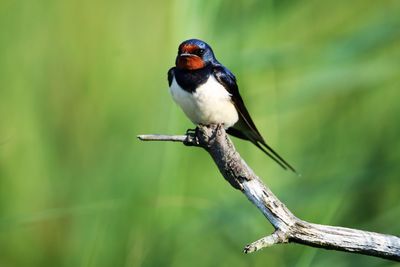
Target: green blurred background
{"points": [[80, 79]]}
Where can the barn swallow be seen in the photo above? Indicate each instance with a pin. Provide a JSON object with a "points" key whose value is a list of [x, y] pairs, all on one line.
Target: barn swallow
{"points": [[208, 93]]}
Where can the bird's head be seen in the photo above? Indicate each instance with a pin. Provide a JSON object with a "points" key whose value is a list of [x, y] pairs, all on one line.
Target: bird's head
{"points": [[194, 54]]}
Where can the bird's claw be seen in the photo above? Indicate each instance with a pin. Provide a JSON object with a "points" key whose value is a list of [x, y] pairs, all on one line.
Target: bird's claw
{"points": [[192, 132], [191, 137]]}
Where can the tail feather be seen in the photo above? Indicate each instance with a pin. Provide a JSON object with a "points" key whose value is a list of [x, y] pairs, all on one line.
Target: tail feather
{"points": [[270, 155], [268, 150], [259, 142]]}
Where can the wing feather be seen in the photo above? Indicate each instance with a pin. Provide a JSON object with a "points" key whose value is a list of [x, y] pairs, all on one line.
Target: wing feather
{"points": [[245, 127], [170, 75]]}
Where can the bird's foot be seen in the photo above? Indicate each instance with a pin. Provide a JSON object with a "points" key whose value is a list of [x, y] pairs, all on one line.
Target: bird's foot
{"points": [[192, 132], [191, 137]]}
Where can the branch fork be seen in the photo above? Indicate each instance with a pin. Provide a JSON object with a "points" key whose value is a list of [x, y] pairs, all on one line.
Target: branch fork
{"points": [[288, 228]]}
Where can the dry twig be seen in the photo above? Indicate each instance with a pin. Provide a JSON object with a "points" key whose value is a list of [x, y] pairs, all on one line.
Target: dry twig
{"points": [[288, 228]]}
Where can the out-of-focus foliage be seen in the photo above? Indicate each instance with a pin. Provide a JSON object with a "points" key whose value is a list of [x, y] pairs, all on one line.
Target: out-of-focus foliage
{"points": [[80, 79]]}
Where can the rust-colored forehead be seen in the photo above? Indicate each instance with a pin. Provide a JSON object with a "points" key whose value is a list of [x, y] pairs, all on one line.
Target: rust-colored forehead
{"points": [[188, 48]]}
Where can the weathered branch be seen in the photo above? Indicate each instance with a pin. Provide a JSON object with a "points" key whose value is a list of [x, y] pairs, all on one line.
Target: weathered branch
{"points": [[288, 228], [160, 137]]}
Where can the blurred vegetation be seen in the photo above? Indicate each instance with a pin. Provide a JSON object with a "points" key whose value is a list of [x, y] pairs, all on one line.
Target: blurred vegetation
{"points": [[80, 79]]}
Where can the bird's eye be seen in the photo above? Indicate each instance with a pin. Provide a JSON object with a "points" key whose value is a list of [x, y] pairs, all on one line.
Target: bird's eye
{"points": [[200, 51]]}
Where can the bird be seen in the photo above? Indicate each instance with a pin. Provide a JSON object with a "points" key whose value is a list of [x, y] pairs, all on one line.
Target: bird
{"points": [[208, 93]]}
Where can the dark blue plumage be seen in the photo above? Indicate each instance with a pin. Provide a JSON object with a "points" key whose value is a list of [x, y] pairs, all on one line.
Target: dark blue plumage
{"points": [[195, 65]]}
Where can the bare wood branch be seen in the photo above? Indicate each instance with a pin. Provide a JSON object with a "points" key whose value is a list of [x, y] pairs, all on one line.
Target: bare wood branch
{"points": [[276, 237], [161, 137], [288, 228]]}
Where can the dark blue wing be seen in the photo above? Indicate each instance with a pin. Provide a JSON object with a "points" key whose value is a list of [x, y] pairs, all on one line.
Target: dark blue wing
{"points": [[228, 80], [245, 127], [170, 75]]}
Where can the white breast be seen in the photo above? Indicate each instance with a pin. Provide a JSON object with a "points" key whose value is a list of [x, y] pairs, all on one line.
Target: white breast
{"points": [[210, 103]]}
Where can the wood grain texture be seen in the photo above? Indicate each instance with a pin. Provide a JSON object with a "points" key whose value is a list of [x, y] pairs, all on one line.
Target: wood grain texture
{"points": [[288, 228]]}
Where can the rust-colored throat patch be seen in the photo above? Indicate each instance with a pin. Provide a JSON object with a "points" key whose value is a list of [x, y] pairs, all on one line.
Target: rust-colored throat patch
{"points": [[187, 58], [190, 62]]}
